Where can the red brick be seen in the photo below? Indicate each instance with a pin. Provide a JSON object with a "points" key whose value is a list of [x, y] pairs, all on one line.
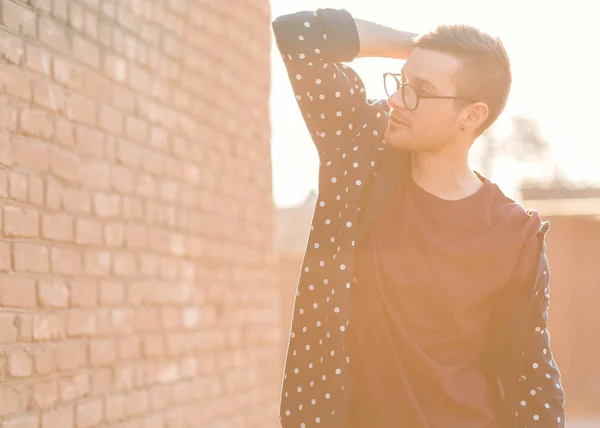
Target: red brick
{"points": [[31, 257], [111, 120], [65, 261], [137, 402], [18, 187], [124, 264], [128, 154], [111, 293], [97, 263], [98, 87], [74, 387], [60, 9], [81, 109], [133, 209], [102, 352], [90, 26], [53, 293], [19, 363], [45, 360], [72, 355], [64, 164], [54, 193], [38, 60], [53, 34], [19, 18], [95, 174], [48, 326], [21, 222], [6, 156], [153, 162], [107, 205], [62, 417], [122, 179], [8, 328], [57, 227], [136, 129], [153, 345], [31, 421], [36, 190], [81, 323], [25, 326], [41, 5], [17, 292], [48, 95], [115, 408], [68, 74], [8, 122], [124, 99], [45, 395], [30, 154], [4, 184], [146, 186], [88, 232], [105, 34], [76, 16], [159, 139], [64, 133], [115, 67], [146, 319], [11, 49], [136, 236], [75, 200], [36, 123], [84, 293], [129, 348], [139, 79], [123, 321], [12, 401], [86, 51], [114, 235], [89, 141], [5, 255], [16, 82]]}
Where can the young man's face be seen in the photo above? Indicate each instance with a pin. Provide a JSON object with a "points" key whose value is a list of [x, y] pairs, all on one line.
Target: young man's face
{"points": [[435, 122]]}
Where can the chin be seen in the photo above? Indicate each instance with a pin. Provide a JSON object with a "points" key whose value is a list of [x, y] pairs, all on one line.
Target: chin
{"points": [[397, 138]]}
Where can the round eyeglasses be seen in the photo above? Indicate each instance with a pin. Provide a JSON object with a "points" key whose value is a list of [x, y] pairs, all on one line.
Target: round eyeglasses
{"points": [[392, 83]]}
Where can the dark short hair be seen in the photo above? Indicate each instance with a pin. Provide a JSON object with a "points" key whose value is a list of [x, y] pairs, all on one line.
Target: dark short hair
{"points": [[485, 75]]}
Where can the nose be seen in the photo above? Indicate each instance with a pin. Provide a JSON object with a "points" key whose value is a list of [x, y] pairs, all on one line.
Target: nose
{"points": [[395, 100]]}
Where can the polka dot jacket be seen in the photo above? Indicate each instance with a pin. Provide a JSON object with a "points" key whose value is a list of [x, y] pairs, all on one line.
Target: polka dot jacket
{"points": [[347, 130]]}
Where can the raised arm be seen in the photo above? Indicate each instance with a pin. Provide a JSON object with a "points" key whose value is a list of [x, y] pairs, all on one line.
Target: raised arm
{"points": [[330, 94]]}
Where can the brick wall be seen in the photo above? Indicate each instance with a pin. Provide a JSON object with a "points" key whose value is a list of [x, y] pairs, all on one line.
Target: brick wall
{"points": [[137, 280]]}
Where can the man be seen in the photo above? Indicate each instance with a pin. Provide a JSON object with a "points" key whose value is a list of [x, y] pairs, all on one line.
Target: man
{"points": [[424, 290]]}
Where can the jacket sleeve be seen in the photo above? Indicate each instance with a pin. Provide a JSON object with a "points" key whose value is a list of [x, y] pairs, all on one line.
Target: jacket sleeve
{"points": [[541, 395], [331, 96]]}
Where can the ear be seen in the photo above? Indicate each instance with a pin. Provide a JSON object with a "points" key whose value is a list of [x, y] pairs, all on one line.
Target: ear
{"points": [[476, 114]]}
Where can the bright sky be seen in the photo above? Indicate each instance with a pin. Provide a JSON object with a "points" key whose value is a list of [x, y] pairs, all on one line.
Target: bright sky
{"points": [[553, 49]]}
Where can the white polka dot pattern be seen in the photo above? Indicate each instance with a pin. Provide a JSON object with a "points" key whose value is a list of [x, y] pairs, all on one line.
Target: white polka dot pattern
{"points": [[541, 394], [346, 130]]}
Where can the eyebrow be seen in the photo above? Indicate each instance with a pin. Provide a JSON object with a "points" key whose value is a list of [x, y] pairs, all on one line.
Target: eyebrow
{"points": [[422, 82]]}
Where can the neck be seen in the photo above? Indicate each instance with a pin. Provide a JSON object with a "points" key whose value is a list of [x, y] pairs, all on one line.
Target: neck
{"points": [[445, 175]]}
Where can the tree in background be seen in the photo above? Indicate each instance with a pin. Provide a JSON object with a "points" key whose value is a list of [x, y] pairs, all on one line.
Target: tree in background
{"points": [[524, 144]]}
